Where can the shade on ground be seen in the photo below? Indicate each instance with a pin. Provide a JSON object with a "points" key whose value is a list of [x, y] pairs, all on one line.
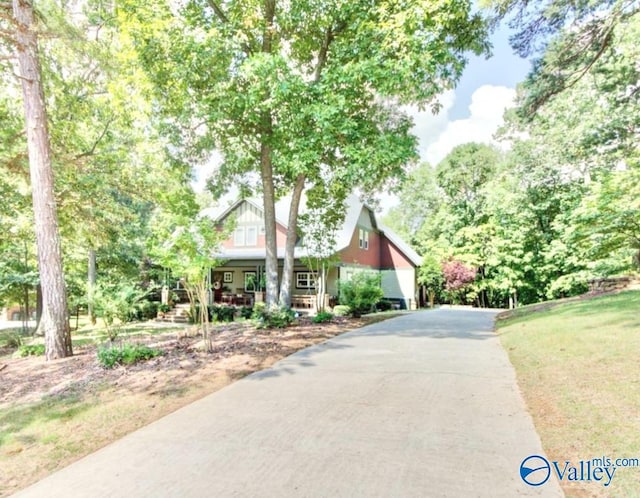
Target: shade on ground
{"points": [[418, 406]]}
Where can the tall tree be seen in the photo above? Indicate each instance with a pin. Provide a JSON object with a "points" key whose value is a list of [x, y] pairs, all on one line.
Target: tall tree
{"points": [[568, 38], [301, 94], [54, 322]]}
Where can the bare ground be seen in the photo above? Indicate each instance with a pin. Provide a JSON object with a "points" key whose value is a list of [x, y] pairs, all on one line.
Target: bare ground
{"points": [[53, 413]]}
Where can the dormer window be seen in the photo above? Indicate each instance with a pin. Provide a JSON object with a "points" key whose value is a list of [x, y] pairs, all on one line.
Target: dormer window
{"points": [[363, 239]]}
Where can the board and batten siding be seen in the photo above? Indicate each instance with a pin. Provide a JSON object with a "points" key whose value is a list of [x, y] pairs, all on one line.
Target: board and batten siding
{"points": [[400, 283]]}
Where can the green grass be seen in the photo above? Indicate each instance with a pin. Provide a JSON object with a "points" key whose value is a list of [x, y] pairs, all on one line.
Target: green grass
{"points": [[577, 364]]}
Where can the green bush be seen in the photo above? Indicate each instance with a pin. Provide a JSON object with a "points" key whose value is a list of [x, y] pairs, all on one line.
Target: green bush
{"points": [[164, 308], [222, 313], [31, 350], [341, 310], [246, 312], [147, 310], [126, 354], [277, 318], [322, 317], [361, 293]]}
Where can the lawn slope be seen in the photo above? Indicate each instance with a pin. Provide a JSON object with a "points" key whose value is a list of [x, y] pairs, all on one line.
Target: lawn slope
{"points": [[578, 365]]}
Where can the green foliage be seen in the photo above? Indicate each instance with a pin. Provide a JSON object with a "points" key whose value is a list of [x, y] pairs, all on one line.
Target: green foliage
{"points": [[147, 310], [121, 302], [431, 277], [361, 293], [223, 313], [246, 312], [31, 350], [125, 354], [322, 317], [275, 317], [11, 338], [569, 285], [341, 310]]}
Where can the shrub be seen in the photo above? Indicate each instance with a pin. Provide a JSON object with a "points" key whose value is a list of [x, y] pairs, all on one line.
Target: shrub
{"points": [[11, 338], [341, 310], [246, 312], [361, 293], [147, 310], [322, 317], [222, 313], [127, 354], [457, 279], [31, 350], [164, 308], [277, 318]]}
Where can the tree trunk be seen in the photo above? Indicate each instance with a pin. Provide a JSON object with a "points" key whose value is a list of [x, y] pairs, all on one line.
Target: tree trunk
{"points": [[292, 237], [266, 174], [91, 285], [271, 256], [54, 323]]}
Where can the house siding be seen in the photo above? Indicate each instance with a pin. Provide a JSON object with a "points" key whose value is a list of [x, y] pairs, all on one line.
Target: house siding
{"points": [[391, 256], [355, 255], [248, 215], [400, 284]]}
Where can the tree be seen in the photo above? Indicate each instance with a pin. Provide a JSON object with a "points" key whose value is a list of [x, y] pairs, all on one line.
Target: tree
{"points": [[420, 198], [430, 276], [319, 227], [54, 322], [299, 93], [188, 250], [572, 37], [457, 277]]}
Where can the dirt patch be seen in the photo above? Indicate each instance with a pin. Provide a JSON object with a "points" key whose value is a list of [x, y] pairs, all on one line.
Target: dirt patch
{"points": [[53, 413]]}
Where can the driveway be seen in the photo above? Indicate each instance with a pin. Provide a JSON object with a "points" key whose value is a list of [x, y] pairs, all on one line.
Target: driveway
{"points": [[419, 406]]}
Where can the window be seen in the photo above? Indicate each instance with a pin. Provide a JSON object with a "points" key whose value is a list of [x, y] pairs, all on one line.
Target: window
{"points": [[363, 239], [305, 280], [238, 237], [227, 277], [252, 236], [246, 236], [250, 281]]}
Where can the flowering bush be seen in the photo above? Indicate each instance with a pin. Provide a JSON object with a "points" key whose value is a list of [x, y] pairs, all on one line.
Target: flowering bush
{"points": [[457, 277]]}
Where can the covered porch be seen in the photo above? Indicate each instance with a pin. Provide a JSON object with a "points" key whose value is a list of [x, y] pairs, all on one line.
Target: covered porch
{"points": [[242, 283]]}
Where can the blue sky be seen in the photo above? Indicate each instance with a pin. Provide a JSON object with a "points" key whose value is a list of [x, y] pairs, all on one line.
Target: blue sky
{"points": [[473, 111], [504, 68]]}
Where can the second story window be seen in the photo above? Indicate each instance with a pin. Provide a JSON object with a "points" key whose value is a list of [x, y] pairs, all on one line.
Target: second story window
{"points": [[363, 239], [245, 236], [239, 237]]}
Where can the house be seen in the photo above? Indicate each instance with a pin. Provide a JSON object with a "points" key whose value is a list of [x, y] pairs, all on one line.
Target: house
{"points": [[362, 243]]}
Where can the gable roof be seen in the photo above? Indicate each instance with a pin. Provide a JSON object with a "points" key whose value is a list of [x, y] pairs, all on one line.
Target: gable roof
{"points": [[354, 207]]}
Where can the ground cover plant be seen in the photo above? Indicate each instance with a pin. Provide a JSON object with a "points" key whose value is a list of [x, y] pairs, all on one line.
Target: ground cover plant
{"points": [[577, 365]]}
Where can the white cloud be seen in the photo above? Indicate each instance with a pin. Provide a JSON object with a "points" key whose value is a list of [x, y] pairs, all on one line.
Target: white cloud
{"points": [[488, 104], [438, 134]]}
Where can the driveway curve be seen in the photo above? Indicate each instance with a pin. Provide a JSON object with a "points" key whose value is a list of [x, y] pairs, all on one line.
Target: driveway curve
{"points": [[424, 405]]}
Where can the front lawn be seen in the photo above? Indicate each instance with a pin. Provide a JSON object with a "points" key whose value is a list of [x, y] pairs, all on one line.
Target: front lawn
{"points": [[578, 367]]}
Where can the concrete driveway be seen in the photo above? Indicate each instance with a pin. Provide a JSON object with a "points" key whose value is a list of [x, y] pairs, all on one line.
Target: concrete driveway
{"points": [[419, 406]]}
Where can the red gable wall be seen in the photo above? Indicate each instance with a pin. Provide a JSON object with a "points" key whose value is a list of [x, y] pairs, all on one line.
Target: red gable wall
{"points": [[367, 257], [391, 256]]}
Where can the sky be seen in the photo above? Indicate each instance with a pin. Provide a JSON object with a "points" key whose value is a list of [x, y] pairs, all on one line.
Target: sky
{"points": [[471, 112]]}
